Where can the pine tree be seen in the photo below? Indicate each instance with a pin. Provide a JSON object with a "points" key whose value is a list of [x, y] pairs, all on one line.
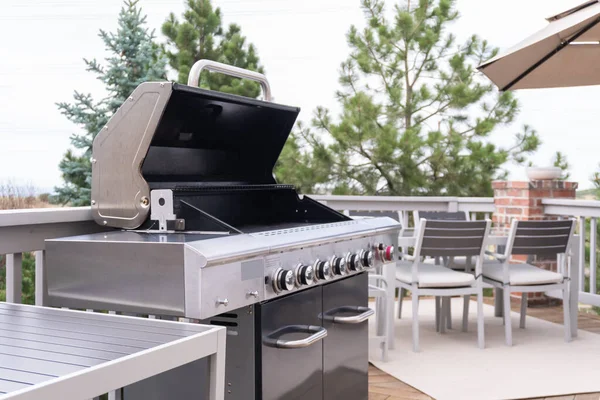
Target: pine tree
{"points": [[596, 180], [134, 59], [416, 116], [560, 160], [200, 35]]}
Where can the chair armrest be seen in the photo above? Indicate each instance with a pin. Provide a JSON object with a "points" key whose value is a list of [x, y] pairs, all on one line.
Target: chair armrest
{"points": [[378, 278], [406, 256], [499, 257]]}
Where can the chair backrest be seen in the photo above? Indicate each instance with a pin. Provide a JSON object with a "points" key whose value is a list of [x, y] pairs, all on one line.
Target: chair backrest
{"points": [[438, 216], [374, 214], [541, 238], [451, 238], [441, 215]]}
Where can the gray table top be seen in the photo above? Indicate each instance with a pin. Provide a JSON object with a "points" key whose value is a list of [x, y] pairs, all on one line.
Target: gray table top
{"points": [[39, 344]]}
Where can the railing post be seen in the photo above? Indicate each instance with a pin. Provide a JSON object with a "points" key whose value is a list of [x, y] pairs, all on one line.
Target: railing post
{"points": [[582, 253], [593, 267], [39, 278], [453, 206], [14, 277]]}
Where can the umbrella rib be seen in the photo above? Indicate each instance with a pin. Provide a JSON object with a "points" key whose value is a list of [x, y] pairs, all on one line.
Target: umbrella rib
{"points": [[549, 55]]}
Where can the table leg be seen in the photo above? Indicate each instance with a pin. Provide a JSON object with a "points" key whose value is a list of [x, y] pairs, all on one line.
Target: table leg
{"points": [[498, 299], [575, 269], [217, 369]]}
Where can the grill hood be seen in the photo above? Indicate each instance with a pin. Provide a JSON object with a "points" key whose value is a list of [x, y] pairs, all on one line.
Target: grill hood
{"points": [[206, 137], [168, 135]]}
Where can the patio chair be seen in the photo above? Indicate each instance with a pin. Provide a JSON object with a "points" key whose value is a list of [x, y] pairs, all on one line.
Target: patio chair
{"points": [[461, 263], [444, 239], [377, 284], [532, 238], [378, 289]]}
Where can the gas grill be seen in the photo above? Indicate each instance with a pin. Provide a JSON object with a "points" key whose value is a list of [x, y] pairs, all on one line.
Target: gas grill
{"points": [[197, 227]]}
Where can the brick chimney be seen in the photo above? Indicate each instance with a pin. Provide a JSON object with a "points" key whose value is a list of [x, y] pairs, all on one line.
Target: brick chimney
{"points": [[523, 201]]}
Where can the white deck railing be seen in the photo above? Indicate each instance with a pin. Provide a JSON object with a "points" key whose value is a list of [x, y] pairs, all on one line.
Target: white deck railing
{"points": [[405, 206], [587, 212], [25, 230]]}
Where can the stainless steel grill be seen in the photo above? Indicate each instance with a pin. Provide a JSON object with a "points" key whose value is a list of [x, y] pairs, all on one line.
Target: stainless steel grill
{"points": [[197, 227]]}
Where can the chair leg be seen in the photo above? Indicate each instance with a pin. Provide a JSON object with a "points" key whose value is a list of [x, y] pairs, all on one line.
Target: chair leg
{"points": [[465, 322], [506, 312], [498, 302], [567, 312], [438, 314], [480, 323], [448, 313], [401, 294], [385, 343], [415, 321], [523, 310], [443, 314]]}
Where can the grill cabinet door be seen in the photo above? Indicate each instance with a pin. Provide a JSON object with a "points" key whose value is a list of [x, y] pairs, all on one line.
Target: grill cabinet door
{"points": [[345, 349], [291, 373]]}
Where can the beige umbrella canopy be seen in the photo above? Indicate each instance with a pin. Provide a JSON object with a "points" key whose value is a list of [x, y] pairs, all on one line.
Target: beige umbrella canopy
{"points": [[565, 53]]}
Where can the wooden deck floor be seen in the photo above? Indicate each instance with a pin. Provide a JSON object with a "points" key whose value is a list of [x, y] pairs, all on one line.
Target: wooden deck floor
{"points": [[385, 387]]}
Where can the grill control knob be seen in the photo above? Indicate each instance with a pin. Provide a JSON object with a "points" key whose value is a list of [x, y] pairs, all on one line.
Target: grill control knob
{"points": [[339, 265], [283, 279], [366, 258], [354, 262], [305, 275], [323, 269], [388, 253], [385, 252]]}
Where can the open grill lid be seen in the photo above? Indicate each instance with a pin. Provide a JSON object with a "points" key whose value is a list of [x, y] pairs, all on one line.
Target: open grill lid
{"points": [[206, 137], [168, 135]]}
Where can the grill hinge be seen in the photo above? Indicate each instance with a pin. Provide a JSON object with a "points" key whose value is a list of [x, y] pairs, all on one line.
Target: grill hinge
{"points": [[161, 208]]}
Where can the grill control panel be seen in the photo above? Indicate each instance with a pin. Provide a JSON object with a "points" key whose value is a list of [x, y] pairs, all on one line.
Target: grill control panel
{"points": [[301, 268]]}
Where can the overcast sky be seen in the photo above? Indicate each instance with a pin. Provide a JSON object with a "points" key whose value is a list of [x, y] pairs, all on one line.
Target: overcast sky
{"points": [[301, 43]]}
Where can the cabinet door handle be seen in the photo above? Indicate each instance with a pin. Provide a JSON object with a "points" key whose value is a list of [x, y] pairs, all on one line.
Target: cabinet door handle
{"points": [[317, 334], [363, 314]]}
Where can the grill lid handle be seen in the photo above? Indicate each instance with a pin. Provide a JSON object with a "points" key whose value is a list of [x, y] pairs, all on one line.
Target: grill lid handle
{"points": [[230, 70]]}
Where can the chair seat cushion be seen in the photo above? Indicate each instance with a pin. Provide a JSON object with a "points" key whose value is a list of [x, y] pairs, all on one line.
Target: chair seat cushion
{"points": [[522, 274], [433, 276]]}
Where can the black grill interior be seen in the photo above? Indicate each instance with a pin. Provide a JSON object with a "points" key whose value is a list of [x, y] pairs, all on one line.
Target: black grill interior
{"points": [[207, 137], [259, 209], [217, 152]]}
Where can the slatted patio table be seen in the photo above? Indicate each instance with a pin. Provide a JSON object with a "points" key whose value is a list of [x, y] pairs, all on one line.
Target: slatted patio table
{"points": [[48, 353]]}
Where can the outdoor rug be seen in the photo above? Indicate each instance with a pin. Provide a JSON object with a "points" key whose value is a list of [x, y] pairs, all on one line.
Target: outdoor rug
{"points": [[450, 366]]}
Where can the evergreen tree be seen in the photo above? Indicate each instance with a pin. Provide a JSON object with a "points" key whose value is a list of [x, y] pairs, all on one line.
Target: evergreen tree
{"points": [[134, 59], [596, 181], [560, 160], [200, 35], [416, 116]]}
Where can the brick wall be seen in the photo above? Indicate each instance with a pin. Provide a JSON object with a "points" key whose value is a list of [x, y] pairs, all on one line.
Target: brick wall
{"points": [[523, 201]]}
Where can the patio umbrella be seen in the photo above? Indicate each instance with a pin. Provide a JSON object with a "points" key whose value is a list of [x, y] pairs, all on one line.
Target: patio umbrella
{"points": [[565, 53]]}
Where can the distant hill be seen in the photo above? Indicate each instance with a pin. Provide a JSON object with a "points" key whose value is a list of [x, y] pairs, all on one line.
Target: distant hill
{"points": [[588, 194]]}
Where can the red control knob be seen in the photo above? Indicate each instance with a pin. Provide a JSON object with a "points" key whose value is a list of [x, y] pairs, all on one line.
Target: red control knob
{"points": [[388, 254]]}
